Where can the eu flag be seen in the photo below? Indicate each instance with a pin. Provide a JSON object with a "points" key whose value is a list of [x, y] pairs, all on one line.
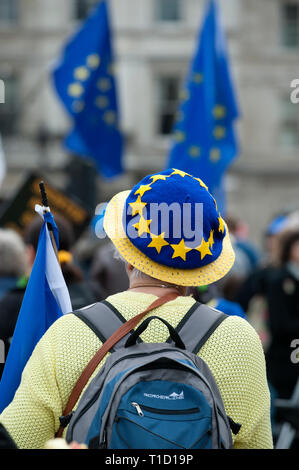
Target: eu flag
{"points": [[85, 82], [204, 141], [46, 299]]}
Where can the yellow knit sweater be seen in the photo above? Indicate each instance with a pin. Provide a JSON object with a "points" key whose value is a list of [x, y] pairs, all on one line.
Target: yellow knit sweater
{"points": [[233, 353]]}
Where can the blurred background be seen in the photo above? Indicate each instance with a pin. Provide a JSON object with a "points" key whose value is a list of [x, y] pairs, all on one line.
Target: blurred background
{"points": [[153, 42]]}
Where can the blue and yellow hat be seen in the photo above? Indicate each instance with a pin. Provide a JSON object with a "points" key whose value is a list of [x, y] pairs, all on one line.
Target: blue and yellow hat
{"points": [[168, 226]]}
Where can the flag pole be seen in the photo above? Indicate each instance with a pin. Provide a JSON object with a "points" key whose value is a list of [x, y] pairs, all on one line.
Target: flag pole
{"points": [[46, 208]]}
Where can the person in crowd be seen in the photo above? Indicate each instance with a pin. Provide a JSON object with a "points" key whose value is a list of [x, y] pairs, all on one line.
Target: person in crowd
{"points": [[81, 292], [6, 441], [220, 296], [156, 263], [13, 266], [256, 282], [107, 271], [244, 248], [283, 320], [12, 259]]}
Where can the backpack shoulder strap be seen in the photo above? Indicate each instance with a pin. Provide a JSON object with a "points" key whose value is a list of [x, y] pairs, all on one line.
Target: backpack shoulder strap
{"points": [[103, 319], [198, 325]]}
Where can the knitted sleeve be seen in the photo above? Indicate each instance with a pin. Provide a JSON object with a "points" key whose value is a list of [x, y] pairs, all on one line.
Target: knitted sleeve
{"points": [[47, 381], [240, 373]]}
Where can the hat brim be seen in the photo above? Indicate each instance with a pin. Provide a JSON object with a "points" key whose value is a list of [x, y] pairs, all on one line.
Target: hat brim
{"points": [[183, 277]]}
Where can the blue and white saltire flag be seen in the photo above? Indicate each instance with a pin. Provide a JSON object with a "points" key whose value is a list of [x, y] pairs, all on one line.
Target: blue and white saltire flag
{"points": [[204, 141], [85, 81], [46, 299]]}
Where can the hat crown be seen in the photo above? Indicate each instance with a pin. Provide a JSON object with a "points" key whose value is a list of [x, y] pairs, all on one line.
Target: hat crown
{"points": [[173, 219]]}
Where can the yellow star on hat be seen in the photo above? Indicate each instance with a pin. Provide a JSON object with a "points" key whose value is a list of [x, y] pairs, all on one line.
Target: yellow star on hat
{"points": [[158, 177], [204, 248], [142, 226], [142, 189], [221, 225], [179, 172], [202, 183], [158, 242], [180, 250], [211, 239], [137, 206]]}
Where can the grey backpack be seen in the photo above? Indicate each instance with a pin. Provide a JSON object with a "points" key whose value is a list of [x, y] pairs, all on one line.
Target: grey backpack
{"points": [[154, 395]]}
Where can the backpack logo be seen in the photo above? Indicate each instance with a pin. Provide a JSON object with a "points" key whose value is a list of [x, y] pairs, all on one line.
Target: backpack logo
{"points": [[172, 396]]}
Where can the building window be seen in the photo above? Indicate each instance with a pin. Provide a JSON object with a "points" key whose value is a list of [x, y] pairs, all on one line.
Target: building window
{"points": [[8, 11], [168, 10], [290, 24], [83, 8], [289, 128], [168, 100], [9, 109]]}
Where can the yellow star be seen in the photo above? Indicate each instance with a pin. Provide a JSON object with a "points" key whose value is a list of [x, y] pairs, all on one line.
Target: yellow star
{"points": [[158, 177], [75, 90], [104, 84], [221, 225], [142, 189], [184, 95], [219, 132], [110, 117], [179, 136], [180, 173], [158, 242], [93, 61], [204, 248], [101, 102], [111, 69], [211, 239], [219, 112], [180, 116], [78, 106], [142, 226], [180, 250], [202, 183], [137, 206], [194, 151], [81, 73], [198, 78], [215, 155]]}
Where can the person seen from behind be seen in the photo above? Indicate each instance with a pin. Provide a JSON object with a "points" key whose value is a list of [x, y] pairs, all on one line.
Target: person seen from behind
{"points": [[157, 262]]}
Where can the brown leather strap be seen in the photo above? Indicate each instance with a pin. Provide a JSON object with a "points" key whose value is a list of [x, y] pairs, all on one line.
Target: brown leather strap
{"points": [[101, 353]]}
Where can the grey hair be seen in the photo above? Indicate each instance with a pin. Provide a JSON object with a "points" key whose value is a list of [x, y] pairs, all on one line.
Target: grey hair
{"points": [[136, 273], [12, 254]]}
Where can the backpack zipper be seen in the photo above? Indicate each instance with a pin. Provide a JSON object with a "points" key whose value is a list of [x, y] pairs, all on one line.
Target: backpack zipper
{"points": [[163, 412], [88, 405], [148, 430]]}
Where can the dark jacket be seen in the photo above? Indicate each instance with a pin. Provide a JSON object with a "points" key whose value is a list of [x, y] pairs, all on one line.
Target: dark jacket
{"points": [[283, 302]]}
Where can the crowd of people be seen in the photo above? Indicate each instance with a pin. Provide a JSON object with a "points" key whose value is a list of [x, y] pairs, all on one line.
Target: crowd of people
{"points": [[262, 287]]}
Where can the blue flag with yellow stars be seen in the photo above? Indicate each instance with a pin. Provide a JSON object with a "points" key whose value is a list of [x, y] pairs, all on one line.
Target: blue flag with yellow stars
{"points": [[46, 299], [85, 82], [204, 141]]}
